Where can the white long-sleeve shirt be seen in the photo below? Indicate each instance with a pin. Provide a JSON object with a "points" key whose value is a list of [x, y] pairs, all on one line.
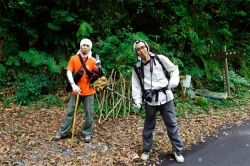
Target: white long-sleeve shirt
{"points": [[159, 80]]}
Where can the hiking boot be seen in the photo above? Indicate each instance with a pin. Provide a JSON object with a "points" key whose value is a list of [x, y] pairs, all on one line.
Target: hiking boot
{"points": [[87, 139], [145, 155], [58, 137], [179, 158]]}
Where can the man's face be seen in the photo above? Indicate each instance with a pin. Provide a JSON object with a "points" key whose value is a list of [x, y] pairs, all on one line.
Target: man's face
{"points": [[85, 49], [142, 50]]}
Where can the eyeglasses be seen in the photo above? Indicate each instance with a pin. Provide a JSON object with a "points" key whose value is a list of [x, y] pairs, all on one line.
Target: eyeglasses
{"points": [[141, 48]]}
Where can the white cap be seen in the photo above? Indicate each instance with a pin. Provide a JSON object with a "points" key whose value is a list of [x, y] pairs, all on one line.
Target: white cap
{"points": [[86, 41]]}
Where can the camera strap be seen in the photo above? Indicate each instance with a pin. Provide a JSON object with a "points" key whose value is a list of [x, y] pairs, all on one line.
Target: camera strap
{"points": [[151, 69], [80, 57], [83, 63], [140, 74]]}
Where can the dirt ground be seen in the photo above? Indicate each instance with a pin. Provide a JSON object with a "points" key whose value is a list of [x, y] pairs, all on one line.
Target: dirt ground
{"points": [[26, 137]]}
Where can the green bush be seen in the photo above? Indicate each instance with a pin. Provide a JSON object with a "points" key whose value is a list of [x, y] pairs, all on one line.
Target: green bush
{"points": [[41, 37], [202, 101], [31, 88]]}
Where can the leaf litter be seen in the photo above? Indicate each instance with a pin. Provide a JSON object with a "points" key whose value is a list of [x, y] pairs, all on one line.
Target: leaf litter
{"points": [[27, 139]]}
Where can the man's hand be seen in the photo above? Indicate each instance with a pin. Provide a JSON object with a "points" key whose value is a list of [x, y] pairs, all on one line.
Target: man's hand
{"points": [[137, 105], [98, 63], [76, 88]]}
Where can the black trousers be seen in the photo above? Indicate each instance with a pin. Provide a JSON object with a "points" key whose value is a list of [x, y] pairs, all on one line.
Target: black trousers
{"points": [[169, 118]]}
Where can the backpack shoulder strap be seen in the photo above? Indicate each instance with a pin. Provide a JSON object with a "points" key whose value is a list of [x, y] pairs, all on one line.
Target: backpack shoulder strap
{"points": [[137, 71], [158, 59]]}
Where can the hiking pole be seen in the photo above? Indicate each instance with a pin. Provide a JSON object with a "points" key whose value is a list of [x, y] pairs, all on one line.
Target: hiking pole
{"points": [[74, 120], [120, 95]]}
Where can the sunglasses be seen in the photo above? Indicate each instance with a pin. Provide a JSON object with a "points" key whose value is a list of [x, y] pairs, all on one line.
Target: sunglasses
{"points": [[138, 41]]}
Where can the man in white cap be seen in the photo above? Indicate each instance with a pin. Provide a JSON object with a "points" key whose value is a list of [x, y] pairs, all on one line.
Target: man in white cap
{"points": [[150, 85], [83, 87]]}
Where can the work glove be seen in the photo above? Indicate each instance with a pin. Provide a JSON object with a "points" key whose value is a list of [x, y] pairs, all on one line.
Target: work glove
{"points": [[137, 105], [171, 86], [101, 83], [98, 63], [75, 88]]}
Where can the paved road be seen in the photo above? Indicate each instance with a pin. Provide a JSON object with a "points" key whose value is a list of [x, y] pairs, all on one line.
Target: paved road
{"points": [[230, 148]]}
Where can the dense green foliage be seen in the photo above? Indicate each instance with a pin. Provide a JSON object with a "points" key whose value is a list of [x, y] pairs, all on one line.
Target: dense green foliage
{"points": [[39, 36]]}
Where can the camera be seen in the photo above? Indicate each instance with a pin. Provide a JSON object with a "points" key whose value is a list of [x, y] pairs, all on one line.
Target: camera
{"points": [[148, 95]]}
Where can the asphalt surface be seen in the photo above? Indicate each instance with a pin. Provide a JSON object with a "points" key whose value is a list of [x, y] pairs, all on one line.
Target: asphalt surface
{"points": [[230, 148]]}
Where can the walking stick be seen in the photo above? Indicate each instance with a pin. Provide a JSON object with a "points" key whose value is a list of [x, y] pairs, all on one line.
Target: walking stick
{"points": [[74, 120]]}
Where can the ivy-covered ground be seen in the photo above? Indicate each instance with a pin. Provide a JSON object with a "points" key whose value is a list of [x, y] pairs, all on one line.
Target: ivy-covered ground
{"points": [[26, 136]]}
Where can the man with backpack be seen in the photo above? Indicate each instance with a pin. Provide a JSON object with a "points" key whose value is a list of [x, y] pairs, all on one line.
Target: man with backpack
{"points": [[85, 68], [150, 85]]}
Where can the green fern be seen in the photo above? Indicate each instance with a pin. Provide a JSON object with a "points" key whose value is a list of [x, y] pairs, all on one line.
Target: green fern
{"points": [[236, 80], [35, 58], [53, 26], [32, 57], [2, 69], [13, 60], [84, 30], [140, 35], [62, 16], [52, 66]]}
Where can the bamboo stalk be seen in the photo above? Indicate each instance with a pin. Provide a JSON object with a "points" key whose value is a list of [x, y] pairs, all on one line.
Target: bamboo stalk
{"points": [[109, 99], [102, 104], [120, 105], [119, 108], [112, 109], [123, 92], [113, 86], [129, 102]]}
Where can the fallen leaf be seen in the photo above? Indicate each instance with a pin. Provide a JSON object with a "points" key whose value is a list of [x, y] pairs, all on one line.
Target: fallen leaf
{"points": [[49, 138]]}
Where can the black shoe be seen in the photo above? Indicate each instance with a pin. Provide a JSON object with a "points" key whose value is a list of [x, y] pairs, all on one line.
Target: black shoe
{"points": [[87, 139]]}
